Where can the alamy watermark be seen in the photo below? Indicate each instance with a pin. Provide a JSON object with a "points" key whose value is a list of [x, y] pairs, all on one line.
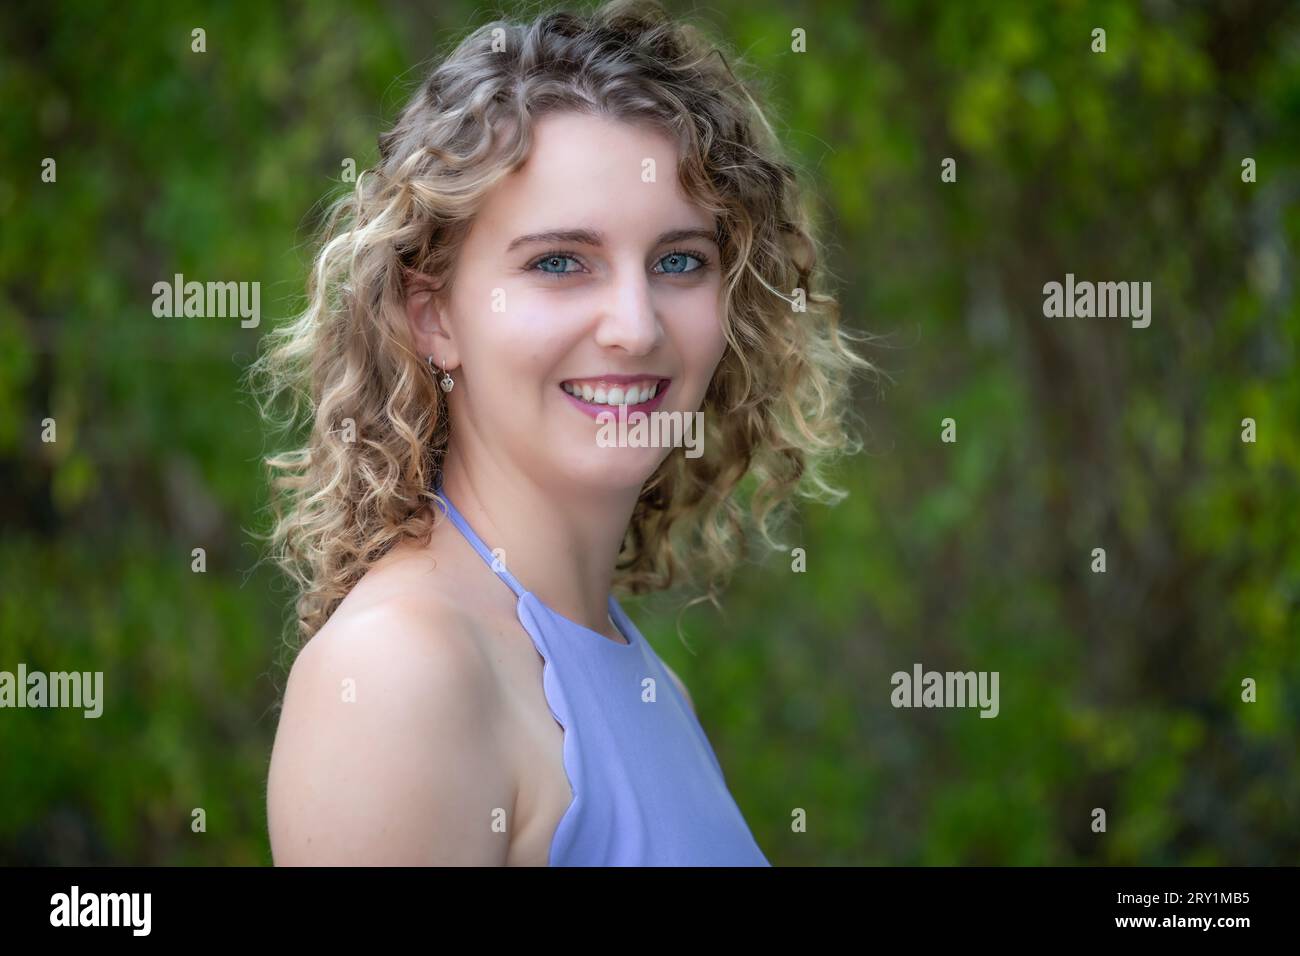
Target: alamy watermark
{"points": [[75, 908], [214, 300], [652, 430], [946, 689], [77, 689], [1122, 300]]}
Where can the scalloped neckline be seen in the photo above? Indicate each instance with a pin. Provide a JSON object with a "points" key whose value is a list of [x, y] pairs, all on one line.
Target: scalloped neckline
{"points": [[616, 617]]}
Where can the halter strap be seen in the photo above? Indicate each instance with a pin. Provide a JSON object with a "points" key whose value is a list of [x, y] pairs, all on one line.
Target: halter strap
{"points": [[497, 565]]}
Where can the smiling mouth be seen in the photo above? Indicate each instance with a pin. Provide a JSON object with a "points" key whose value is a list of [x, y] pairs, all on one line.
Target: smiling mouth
{"points": [[631, 392]]}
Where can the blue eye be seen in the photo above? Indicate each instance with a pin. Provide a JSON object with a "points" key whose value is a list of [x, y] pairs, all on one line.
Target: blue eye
{"points": [[553, 264], [675, 263]]}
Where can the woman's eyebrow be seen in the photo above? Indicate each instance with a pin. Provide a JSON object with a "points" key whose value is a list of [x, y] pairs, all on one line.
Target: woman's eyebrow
{"points": [[590, 237]]}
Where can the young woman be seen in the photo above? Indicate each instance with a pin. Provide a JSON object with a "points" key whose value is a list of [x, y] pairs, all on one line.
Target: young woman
{"points": [[574, 216]]}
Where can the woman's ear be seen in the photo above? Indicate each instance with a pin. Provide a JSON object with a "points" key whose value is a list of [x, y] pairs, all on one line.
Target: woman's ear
{"points": [[426, 317]]}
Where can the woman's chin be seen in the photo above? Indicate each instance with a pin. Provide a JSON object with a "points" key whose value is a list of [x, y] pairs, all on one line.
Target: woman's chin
{"points": [[611, 469]]}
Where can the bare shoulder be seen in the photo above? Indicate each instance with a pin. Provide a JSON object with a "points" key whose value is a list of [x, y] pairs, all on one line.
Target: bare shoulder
{"points": [[387, 752]]}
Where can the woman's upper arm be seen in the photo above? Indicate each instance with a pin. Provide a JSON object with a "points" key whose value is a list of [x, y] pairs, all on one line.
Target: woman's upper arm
{"points": [[386, 751]]}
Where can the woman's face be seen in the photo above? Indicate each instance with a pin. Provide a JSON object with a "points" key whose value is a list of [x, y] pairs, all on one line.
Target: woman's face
{"points": [[587, 277]]}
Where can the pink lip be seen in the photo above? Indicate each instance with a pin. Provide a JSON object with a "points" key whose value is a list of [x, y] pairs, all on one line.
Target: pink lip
{"points": [[595, 411]]}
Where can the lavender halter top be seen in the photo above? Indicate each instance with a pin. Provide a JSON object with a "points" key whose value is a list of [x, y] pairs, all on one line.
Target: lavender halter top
{"points": [[647, 787]]}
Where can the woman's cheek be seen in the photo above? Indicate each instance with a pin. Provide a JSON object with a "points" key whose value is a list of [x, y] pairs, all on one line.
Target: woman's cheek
{"points": [[708, 340]]}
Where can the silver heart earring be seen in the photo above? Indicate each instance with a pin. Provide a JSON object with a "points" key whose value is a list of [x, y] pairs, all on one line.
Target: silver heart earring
{"points": [[446, 382]]}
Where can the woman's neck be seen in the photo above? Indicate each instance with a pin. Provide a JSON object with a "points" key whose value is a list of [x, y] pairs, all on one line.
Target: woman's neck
{"points": [[560, 544]]}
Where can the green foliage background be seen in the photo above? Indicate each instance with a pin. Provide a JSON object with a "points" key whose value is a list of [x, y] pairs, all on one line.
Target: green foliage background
{"points": [[1119, 690]]}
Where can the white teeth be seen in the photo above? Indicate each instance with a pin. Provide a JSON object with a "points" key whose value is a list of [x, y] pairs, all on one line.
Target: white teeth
{"points": [[615, 395]]}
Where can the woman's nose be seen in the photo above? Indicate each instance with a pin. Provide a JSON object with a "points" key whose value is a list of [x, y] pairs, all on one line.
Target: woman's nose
{"points": [[629, 319]]}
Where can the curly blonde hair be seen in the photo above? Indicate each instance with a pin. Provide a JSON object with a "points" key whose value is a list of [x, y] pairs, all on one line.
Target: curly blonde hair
{"points": [[776, 409]]}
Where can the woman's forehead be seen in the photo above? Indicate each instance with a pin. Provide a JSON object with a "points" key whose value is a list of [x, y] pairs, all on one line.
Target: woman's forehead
{"points": [[608, 176]]}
